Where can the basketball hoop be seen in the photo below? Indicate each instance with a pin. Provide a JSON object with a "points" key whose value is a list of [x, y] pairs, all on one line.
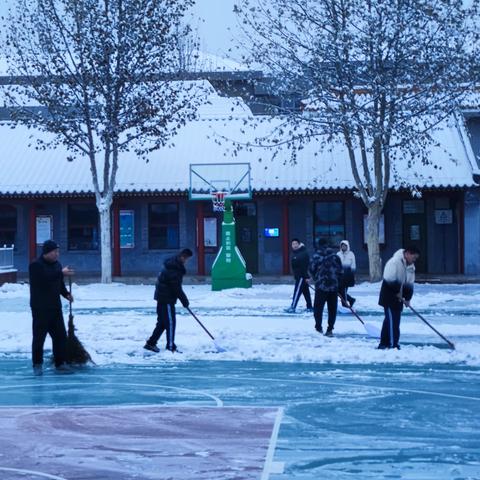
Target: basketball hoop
{"points": [[218, 199]]}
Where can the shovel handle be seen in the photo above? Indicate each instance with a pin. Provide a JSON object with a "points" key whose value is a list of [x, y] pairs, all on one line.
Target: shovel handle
{"points": [[70, 292]]}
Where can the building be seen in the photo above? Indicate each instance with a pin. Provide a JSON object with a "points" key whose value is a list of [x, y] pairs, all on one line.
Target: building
{"points": [[42, 195]]}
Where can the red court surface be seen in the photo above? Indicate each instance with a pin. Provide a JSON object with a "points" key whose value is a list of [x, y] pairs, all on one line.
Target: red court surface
{"points": [[141, 443]]}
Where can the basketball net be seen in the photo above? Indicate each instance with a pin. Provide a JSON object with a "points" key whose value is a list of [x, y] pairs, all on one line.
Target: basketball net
{"points": [[218, 199]]}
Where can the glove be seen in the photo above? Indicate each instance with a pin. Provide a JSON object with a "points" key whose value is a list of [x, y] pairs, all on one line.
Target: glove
{"points": [[186, 304]]}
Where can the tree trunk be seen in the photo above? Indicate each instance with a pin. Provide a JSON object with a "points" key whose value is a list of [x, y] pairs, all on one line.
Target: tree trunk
{"points": [[374, 260], [104, 205]]}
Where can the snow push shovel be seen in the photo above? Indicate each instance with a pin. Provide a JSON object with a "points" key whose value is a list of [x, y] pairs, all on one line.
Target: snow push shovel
{"points": [[74, 350], [450, 344], [371, 330], [218, 347]]}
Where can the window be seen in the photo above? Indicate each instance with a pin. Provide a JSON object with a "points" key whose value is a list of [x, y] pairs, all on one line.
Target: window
{"points": [[413, 206], [8, 225], [473, 127], [329, 222], [245, 209], [83, 227], [163, 226]]}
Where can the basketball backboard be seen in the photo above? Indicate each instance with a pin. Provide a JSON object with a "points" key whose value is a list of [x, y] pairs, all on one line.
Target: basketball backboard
{"points": [[206, 179]]}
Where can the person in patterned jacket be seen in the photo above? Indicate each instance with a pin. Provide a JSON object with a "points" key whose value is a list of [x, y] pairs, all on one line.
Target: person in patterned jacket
{"points": [[326, 270]]}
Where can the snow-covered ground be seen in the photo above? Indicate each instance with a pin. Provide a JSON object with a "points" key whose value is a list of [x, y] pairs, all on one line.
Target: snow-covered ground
{"points": [[114, 320]]}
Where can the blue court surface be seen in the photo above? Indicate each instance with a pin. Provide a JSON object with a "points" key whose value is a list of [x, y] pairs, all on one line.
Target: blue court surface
{"points": [[332, 421]]}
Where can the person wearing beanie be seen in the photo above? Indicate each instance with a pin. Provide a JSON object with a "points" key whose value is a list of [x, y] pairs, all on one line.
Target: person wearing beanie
{"points": [[46, 276], [168, 290]]}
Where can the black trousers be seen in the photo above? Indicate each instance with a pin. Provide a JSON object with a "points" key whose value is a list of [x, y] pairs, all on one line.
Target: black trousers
{"points": [[343, 291], [301, 288], [166, 321], [390, 335], [322, 297], [48, 321]]}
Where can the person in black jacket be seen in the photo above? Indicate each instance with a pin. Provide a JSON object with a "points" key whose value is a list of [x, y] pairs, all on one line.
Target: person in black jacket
{"points": [[46, 286], [167, 290], [300, 261], [326, 270]]}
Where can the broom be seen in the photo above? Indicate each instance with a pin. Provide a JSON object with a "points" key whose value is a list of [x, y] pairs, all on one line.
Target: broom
{"points": [[75, 352]]}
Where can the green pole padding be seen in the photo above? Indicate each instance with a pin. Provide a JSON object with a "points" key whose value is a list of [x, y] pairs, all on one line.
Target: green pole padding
{"points": [[229, 268]]}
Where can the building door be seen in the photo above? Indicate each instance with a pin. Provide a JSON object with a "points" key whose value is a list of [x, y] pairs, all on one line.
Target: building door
{"points": [[247, 233], [415, 230]]}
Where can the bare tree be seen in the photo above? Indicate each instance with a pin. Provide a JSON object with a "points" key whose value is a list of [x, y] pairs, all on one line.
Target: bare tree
{"points": [[106, 73], [376, 75]]}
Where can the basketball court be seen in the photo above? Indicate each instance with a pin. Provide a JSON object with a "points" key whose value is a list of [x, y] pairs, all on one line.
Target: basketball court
{"points": [[239, 420]]}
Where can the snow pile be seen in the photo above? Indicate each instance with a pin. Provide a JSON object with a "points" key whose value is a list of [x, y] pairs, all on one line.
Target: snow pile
{"points": [[114, 320]]}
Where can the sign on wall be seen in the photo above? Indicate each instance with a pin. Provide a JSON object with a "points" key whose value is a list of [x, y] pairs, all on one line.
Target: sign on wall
{"points": [[443, 217], [272, 232], [44, 227], [127, 229], [210, 231], [414, 233], [381, 229]]}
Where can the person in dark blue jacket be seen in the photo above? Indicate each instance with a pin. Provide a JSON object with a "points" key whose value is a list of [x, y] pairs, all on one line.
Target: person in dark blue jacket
{"points": [[168, 290], [326, 271], [46, 287], [300, 261]]}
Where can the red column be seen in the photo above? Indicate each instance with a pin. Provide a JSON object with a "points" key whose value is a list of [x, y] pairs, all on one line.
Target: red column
{"points": [[200, 239], [117, 267], [32, 234], [285, 237], [461, 234]]}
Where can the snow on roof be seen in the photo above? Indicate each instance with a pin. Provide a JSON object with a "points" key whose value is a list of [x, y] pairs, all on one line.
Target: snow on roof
{"points": [[26, 170], [208, 62], [201, 61]]}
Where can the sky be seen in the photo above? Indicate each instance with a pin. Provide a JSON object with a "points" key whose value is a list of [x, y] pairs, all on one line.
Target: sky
{"points": [[212, 18], [215, 21]]}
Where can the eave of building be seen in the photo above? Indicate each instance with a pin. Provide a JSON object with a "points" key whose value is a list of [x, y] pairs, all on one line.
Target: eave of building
{"points": [[184, 194]]}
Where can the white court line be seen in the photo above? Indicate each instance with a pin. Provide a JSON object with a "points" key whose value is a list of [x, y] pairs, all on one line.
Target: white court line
{"points": [[270, 466], [341, 384], [313, 382], [218, 401], [31, 472]]}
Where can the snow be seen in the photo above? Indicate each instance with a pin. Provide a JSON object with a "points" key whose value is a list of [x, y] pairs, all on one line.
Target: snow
{"points": [[24, 169], [114, 320]]}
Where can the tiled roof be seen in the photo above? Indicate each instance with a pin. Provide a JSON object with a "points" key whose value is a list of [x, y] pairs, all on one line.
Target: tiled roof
{"points": [[26, 170]]}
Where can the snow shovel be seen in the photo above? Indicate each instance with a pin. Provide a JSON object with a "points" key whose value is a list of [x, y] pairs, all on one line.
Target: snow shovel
{"points": [[371, 330], [218, 347], [75, 352], [450, 344]]}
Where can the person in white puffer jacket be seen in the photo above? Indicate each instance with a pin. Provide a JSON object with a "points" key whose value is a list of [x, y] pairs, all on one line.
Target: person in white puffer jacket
{"points": [[348, 278], [397, 290]]}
